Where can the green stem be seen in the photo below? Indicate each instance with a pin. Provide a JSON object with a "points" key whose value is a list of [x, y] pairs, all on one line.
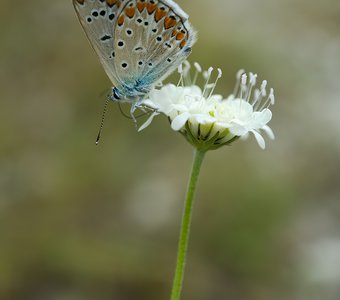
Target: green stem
{"points": [[185, 227]]}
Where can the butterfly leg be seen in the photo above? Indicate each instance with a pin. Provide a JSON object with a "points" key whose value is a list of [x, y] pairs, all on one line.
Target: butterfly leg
{"points": [[134, 106]]}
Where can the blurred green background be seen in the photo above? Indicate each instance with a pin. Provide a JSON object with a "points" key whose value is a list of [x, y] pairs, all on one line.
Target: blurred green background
{"points": [[84, 222]]}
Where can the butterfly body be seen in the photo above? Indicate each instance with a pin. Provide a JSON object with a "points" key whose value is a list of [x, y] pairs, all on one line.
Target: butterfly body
{"points": [[139, 42]]}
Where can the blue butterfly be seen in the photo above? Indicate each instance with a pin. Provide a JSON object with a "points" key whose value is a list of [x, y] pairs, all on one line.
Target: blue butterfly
{"points": [[138, 42]]}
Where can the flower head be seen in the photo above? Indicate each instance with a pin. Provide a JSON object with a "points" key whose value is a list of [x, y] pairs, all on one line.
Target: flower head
{"points": [[208, 121]]}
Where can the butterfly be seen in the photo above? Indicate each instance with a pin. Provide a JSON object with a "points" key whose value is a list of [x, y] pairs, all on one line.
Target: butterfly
{"points": [[138, 42]]}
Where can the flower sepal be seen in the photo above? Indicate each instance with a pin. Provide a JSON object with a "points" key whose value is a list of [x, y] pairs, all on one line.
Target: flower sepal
{"points": [[205, 139]]}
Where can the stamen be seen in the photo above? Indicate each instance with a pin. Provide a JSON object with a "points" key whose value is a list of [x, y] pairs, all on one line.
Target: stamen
{"points": [[252, 79], [243, 85], [198, 67], [263, 93], [270, 100], [272, 96], [180, 71], [237, 84], [263, 88], [198, 70], [208, 74], [257, 96], [252, 83], [219, 75], [186, 73], [239, 74]]}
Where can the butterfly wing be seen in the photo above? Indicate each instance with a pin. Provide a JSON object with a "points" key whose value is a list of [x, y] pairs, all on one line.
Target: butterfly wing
{"points": [[139, 42], [98, 18], [152, 39]]}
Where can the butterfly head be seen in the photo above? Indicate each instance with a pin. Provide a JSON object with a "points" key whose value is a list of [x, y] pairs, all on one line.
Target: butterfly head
{"points": [[132, 92]]}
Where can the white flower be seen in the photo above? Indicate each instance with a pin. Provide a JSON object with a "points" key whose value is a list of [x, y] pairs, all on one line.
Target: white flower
{"points": [[208, 121]]}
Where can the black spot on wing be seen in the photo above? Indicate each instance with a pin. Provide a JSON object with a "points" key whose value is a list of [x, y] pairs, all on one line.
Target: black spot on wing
{"points": [[105, 37]]}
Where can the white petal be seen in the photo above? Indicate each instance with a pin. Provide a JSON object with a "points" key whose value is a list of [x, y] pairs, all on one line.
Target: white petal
{"points": [[148, 121], [245, 136], [193, 90], [269, 132], [179, 121], [180, 107], [260, 119], [204, 118], [259, 139], [238, 130]]}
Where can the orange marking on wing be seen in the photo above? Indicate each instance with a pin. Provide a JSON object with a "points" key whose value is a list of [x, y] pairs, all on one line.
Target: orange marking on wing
{"points": [[180, 36], [111, 2], [151, 8], [169, 22], [141, 6], [182, 44], [130, 12], [174, 33], [159, 14], [120, 21]]}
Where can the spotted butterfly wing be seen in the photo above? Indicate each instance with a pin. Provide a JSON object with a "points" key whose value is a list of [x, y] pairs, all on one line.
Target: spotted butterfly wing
{"points": [[98, 18], [139, 42]]}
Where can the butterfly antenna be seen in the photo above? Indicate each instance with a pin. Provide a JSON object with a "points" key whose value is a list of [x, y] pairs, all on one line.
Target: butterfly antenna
{"points": [[102, 121]]}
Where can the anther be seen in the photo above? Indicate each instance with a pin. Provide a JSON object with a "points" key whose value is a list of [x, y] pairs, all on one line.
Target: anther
{"points": [[272, 97], [219, 73], [252, 79], [239, 74], [198, 67]]}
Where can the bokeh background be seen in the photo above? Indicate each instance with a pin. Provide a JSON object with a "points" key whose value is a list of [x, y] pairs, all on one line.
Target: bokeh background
{"points": [[80, 222]]}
